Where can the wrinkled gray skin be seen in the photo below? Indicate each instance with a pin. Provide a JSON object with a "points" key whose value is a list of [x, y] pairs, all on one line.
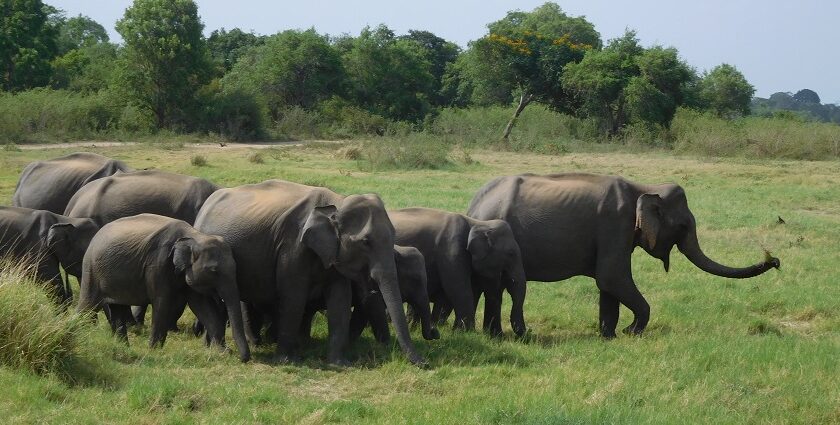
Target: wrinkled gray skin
{"points": [[153, 259], [369, 307], [49, 185], [464, 257], [50, 238], [580, 224], [293, 243], [149, 191]]}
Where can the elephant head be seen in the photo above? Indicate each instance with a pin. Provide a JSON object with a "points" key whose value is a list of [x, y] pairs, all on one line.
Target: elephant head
{"points": [[208, 267], [664, 220], [69, 241], [496, 255], [357, 238]]}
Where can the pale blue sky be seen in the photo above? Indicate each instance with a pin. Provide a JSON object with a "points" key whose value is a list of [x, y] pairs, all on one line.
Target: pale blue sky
{"points": [[780, 45]]}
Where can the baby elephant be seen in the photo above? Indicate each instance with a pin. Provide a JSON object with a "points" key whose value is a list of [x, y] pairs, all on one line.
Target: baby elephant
{"points": [[151, 259]]}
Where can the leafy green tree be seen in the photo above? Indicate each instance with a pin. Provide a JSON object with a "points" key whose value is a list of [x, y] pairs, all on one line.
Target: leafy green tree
{"points": [[89, 68], [79, 31], [625, 83], [27, 44], [292, 68], [726, 91], [440, 54], [529, 50], [388, 76], [165, 61], [226, 47], [807, 96]]}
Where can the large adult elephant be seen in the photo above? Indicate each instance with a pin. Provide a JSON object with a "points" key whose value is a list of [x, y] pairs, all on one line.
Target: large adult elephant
{"points": [[465, 256], [50, 240], [148, 191], [149, 258], [293, 243], [49, 185], [587, 224]]}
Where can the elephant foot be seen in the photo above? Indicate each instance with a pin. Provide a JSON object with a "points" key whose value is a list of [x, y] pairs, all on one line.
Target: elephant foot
{"points": [[419, 361], [197, 328], [288, 359], [339, 361], [520, 331], [432, 334], [632, 330], [607, 334]]}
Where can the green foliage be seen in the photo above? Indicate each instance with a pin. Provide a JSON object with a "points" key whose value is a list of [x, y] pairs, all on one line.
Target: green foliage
{"points": [[226, 47], [625, 84], [165, 60], [440, 54], [804, 105], [725, 91], [198, 160], [35, 334], [526, 52], [90, 68], [28, 44], [236, 115], [44, 114], [79, 31], [388, 76], [416, 151], [292, 68], [754, 137]]}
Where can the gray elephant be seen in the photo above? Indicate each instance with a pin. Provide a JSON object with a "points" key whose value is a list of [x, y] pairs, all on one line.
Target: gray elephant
{"points": [[49, 185], [464, 257], [369, 307], [293, 243], [154, 259], [48, 238], [581, 224], [148, 191]]}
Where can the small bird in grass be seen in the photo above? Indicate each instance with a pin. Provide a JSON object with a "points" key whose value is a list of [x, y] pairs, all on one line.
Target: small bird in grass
{"points": [[222, 144], [781, 221]]}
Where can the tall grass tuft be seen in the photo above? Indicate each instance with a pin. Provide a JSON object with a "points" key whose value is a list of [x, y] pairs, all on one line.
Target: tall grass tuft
{"points": [[35, 333], [414, 151]]}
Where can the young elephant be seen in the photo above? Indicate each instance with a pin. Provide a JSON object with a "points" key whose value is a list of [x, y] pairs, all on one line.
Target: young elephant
{"points": [[49, 238], [464, 257], [166, 262], [369, 307], [411, 273]]}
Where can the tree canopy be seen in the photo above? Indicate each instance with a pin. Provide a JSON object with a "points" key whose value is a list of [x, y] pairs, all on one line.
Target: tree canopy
{"points": [[725, 91], [165, 59], [28, 43]]}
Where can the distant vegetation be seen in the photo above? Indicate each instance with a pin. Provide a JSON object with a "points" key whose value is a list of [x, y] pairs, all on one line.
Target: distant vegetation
{"points": [[63, 79]]}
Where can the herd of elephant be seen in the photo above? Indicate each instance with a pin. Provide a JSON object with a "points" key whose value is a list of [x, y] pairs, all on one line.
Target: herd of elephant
{"points": [[265, 257]]}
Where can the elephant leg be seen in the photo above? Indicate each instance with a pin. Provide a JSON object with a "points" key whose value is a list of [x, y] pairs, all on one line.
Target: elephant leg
{"points": [[306, 324], [607, 314], [338, 299], [139, 313], [629, 295], [286, 321], [253, 321], [493, 311], [120, 319], [358, 322], [207, 313], [166, 308], [376, 313], [458, 290], [441, 312]]}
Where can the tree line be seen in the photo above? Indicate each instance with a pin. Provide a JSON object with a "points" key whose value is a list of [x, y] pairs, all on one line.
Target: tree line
{"points": [[237, 83]]}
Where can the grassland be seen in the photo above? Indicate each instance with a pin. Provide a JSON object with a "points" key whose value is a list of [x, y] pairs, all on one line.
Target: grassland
{"points": [[764, 350]]}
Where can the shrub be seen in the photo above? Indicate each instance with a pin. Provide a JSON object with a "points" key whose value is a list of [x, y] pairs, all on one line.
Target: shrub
{"points": [[418, 150], [35, 334], [236, 115], [256, 158], [198, 160]]}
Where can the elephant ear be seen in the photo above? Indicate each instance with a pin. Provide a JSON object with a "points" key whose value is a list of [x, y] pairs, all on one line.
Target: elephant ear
{"points": [[479, 243], [648, 217], [182, 254], [59, 235], [320, 234]]}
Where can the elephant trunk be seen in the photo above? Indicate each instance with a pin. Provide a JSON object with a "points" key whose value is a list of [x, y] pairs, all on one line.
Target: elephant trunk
{"points": [[234, 310], [386, 277], [690, 247], [517, 289]]}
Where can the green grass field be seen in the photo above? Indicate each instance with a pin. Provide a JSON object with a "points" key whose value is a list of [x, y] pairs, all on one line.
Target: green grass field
{"points": [[763, 350]]}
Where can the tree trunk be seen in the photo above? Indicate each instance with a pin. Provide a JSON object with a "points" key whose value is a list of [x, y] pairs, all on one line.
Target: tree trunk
{"points": [[524, 100]]}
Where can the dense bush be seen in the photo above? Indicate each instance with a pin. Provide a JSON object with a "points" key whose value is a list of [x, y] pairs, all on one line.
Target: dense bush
{"points": [[35, 334], [417, 150], [754, 137]]}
